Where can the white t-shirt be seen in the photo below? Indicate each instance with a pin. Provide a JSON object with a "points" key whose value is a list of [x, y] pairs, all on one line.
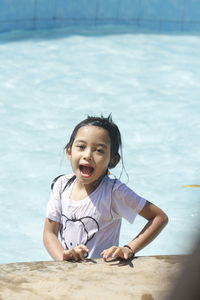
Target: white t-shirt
{"points": [[94, 221]]}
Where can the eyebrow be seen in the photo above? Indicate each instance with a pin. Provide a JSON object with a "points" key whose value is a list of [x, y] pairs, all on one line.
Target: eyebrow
{"points": [[80, 141], [98, 144]]}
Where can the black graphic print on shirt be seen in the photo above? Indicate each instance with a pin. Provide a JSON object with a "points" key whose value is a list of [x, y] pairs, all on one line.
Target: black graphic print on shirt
{"points": [[78, 231]]}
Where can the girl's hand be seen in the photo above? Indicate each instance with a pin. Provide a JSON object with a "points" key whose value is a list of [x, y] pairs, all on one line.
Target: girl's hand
{"points": [[77, 253], [114, 252]]}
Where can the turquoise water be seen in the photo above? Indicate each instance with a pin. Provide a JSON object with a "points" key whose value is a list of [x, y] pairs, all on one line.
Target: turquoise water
{"points": [[51, 80]]}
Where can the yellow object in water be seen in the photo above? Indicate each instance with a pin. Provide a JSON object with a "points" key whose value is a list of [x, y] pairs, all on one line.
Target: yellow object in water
{"points": [[191, 185]]}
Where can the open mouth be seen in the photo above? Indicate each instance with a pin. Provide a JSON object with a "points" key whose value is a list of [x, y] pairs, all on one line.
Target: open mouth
{"points": [[86, 171]]}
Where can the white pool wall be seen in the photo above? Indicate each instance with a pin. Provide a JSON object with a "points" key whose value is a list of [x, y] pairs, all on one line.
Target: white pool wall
{"points": [[158, 15]]}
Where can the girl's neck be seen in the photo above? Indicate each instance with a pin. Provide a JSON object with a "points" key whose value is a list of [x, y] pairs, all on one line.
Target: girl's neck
{"points": [[81, 191]]}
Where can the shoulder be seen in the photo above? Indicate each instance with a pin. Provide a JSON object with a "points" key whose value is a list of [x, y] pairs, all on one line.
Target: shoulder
{"points": [[60, 181], [122, 190], [113, 183]]}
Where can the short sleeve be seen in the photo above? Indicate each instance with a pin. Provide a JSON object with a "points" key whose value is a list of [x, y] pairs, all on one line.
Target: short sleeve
{"points": [[54, 205], [126, 203]]}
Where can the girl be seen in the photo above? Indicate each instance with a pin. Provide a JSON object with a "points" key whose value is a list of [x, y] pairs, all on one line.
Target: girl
{"points": [[85, 210]]}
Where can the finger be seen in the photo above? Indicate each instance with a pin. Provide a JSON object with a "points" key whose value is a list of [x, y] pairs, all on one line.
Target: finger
{"points": [[66, 255], [117, 253], [82, 254], [108, 252], [126, 256], [120, 252], [83, 247], [74, 254], [81, 251], [103, 252]]}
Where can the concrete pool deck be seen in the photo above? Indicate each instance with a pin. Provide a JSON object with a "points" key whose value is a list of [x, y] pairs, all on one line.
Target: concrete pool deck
{"points": [[145, 278]]}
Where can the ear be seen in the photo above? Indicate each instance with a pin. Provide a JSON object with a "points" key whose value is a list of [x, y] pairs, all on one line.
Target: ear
{"points": [[114, 161], [68, 152]]}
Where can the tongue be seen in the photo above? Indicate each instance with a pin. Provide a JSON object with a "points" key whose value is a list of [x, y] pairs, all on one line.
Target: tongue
{"points": [[86, 170]]}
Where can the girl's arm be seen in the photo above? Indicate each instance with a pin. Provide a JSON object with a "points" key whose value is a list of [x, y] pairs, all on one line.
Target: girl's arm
{"points": [[50, 239], [54, 247], [157, 220]]}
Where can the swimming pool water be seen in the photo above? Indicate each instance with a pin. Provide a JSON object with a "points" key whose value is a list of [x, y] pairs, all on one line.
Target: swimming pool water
{"points": [[50, 80]]}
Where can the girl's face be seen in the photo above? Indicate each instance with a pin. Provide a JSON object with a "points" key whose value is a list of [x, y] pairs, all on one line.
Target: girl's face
{"points": [[90, 153]]}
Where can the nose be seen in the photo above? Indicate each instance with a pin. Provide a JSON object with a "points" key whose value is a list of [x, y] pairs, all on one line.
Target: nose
{"points": [[87, 154]]}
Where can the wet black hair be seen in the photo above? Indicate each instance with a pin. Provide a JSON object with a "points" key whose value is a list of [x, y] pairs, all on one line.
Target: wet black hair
{"points": [[115, 137]]}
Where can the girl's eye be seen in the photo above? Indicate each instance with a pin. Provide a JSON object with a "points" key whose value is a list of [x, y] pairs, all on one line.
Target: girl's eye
{"points": [[81, 147], [100, 150]]}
